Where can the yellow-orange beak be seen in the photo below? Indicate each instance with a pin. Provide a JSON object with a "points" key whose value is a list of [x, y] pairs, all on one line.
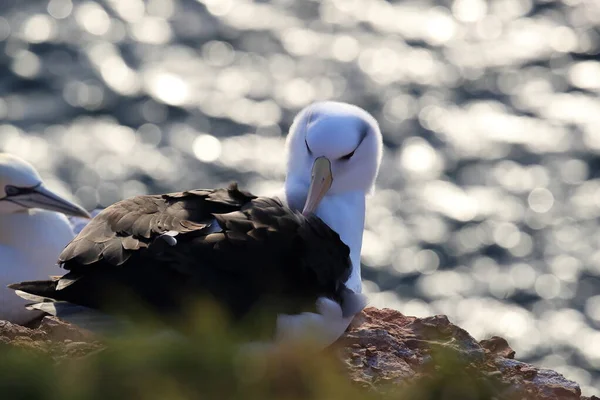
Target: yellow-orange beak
{"points": [[320, 183]]}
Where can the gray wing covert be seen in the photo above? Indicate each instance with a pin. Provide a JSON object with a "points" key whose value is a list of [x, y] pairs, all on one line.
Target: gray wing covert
{"points": [[130, 225]]}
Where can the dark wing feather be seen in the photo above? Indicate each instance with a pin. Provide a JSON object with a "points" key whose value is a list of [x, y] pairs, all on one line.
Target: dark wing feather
{"points": [[264, 255], [131, 225]]}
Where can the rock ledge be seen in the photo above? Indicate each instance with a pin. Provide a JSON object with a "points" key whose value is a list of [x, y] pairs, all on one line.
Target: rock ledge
{"points": [[382, 350], [384, 346]]}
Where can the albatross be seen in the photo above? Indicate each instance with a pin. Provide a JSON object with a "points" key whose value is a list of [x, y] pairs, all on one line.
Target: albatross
{"points": [[296, 254], [33, 231]]}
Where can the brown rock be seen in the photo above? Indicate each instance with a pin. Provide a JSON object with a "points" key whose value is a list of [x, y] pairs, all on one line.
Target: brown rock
{"points": [[53, 336], [10, 331], [58, 330], [384, 346], [498, 346], [383, 350]]}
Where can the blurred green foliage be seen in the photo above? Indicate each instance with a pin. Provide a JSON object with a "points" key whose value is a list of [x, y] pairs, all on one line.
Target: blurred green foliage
{"points": [[132, 369], [212, 361]]}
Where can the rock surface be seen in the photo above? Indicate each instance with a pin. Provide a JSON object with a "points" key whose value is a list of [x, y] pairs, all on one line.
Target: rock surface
{"points": [[57, 338], [383, 349]]}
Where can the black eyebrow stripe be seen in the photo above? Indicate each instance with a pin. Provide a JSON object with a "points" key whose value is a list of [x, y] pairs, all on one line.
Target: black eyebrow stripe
{"points": [[307, 146], [20, 191], [363, 136], [310, 113], [349, 155], [364, 132]]}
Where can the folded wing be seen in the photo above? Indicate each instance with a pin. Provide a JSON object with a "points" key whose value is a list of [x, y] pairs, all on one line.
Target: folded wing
{"points": [[229, 245]]}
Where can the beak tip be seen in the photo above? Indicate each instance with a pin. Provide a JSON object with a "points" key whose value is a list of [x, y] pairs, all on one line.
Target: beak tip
{"points": [[79, 212]]}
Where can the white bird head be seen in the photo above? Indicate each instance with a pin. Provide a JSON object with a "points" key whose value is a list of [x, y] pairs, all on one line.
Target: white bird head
{"points": [[333, 148], [21, 188]]}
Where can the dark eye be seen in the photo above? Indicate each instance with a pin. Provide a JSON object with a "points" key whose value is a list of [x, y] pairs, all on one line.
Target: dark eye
{"points": [[348, 156], [307, 148], [11, 190]]}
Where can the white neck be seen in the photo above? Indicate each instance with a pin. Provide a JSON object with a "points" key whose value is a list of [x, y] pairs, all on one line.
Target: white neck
{"points": [[40, 235], [345, 214]]}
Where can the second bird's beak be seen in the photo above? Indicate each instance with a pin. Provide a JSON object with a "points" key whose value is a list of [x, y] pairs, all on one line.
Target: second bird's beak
{"points": [[44, 199], [320, 183]]}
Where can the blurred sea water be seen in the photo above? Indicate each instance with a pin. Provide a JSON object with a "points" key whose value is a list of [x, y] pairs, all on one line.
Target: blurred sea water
{"points": [[488, 202]]}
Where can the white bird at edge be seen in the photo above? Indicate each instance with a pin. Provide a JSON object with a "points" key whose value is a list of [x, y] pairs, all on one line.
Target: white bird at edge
{"points": [[333, 155], [33, 232]]}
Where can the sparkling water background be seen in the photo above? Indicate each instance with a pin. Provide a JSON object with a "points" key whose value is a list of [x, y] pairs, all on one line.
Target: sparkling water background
{"points": [[488, 200]]}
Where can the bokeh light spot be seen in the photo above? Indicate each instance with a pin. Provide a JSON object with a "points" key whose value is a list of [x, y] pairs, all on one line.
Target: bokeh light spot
{"points": [[207, 148], [540, 200]]}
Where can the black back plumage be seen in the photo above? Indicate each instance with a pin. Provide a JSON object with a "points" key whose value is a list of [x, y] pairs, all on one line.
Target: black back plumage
{"points": [[262, 254]]}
